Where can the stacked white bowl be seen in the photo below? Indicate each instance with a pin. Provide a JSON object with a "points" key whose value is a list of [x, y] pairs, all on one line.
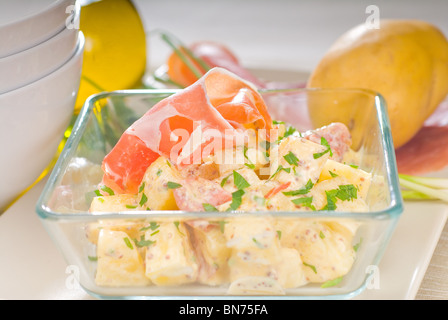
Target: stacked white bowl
{"points": [[40, 69]]}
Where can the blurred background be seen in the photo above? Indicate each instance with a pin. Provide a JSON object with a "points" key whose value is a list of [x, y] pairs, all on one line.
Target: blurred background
{"points": [[294, 34]]}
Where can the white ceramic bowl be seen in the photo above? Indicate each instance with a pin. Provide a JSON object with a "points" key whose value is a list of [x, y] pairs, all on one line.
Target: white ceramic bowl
{"points": [[33, 119], [27, 66], [25, 23]]}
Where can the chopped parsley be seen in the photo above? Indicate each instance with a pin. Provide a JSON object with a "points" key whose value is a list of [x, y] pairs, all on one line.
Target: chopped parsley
{"points": [[143, 200], [159, 172], [305, 201], [356, 246], [176, 223], [152, 225], [304, 190], [310, 266], [209, 208], [280, 168], [223, 182], [129, 206], [173, 185], [239, 181], [142, 242], [325, 143], [249, 163], [237, 199], [332, 174], [289, 131], [291, 159], [258, 243], [279, 234], [141, 188], [331, 283], [107, 189], [220, 223], [346, 192], [128, 243]]}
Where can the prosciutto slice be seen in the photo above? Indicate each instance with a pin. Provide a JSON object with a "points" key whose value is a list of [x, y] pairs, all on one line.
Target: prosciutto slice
{"points": [[216, 108], [428, 150]]}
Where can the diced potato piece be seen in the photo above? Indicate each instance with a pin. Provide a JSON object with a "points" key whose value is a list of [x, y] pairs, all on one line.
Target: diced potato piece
{"points": [[309, 156], [290, 269], [255, 285], [249, 175], [242, 157], [211, 250], [360, 178], [119, 262], [114, 203], [318, 192], [156, 194], [131, 227], [170, 259], [326, 252], [255, 247]]}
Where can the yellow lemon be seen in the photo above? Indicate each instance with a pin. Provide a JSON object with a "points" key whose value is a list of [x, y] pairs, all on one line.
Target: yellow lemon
{"points": [[115, 49]]}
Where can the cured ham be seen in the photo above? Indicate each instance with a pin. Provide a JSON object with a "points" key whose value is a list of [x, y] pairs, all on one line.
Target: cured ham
{"points": [[428, 150], [216, 108]]}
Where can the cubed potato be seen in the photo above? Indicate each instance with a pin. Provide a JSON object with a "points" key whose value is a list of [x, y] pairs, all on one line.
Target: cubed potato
{"points": [[119, 262]]}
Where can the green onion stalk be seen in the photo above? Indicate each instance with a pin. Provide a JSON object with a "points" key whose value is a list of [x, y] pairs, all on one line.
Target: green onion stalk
{"points": [[423, 188]]}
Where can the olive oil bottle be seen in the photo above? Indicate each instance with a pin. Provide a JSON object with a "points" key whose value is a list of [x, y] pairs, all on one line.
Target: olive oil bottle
{"points": [[115, 49]]}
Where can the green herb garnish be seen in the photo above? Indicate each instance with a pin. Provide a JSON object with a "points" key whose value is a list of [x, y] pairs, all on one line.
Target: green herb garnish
{"points": [[310, 266], [332, 174], [173, 185], [305, 201], [325, 143], [143, 200], [128, 243], [304, 190], [209, 208], [291, 159], [107, 189], [237, 199], [331, 283], [141, 188], [223, 182], [239, 181], [176, 223], [280, 168], [142, 242]]}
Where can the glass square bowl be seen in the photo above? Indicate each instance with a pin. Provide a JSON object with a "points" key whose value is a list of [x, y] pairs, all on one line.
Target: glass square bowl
{"points": [[63, 208]]}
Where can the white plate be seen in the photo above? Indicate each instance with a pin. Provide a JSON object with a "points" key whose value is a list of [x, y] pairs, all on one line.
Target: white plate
{"points": [[400, 271]]}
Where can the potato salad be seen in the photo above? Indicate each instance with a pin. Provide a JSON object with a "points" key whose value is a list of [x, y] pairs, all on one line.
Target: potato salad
{"points": [[250, 254], [213, 151]]}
